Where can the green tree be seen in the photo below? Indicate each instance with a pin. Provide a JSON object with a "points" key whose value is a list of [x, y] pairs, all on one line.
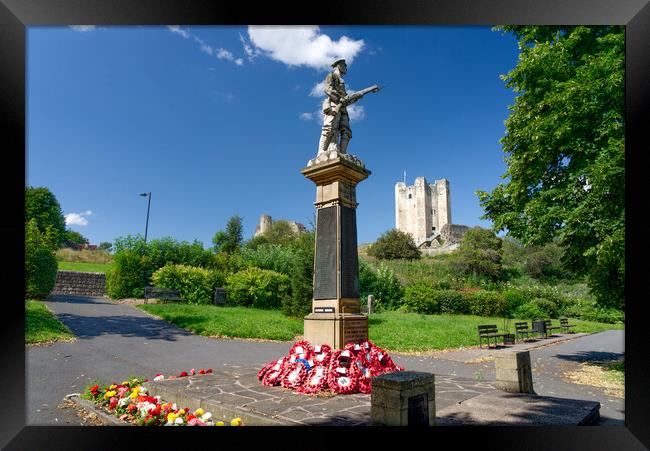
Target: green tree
{"points": [[229, 240], [40, 262], [105, 246], [479, 253], [394, 244], [565, 151], [302, 278], [42, 206], [72, 237]]}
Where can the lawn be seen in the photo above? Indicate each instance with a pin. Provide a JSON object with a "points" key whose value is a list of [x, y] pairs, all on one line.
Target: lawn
{"points": [[41, 326], [83, 266], [234, 322], [393, 331]]}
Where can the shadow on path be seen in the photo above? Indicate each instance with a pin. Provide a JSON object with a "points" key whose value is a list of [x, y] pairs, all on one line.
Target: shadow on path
{"points": [[69, 299], [85, 327], [591, 356]]}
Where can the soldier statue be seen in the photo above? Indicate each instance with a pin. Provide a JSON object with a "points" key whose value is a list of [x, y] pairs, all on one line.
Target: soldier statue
{"points": [[336, 124]]}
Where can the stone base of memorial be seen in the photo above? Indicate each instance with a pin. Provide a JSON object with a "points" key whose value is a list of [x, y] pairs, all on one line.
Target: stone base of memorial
{"points": [[336, 317]]}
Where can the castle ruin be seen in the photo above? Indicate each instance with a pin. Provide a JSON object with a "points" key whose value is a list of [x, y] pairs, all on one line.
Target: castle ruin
{"points": [[422, 209], [266, 222]]}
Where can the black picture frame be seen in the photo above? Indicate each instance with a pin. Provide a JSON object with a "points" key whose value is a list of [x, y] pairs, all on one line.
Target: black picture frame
{"points": [[16, 15]]}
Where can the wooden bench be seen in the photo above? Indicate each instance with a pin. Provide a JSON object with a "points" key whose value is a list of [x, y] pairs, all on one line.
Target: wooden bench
{"points": [[548, 326], [164, 294], [564, 324], [488, 331], [522, 329]]}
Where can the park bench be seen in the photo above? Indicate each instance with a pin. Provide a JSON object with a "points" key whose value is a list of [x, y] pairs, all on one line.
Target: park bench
{"points": [[164, 294], [564, 324], [522, 329], [488, 331], [550, 327]]}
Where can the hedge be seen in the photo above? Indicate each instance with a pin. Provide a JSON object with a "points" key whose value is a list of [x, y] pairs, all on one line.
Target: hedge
{"points": [[195, 285], [259, 288]]}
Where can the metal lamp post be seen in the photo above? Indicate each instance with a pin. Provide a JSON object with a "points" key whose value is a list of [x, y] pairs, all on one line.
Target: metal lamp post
{"points": [[146, 228]]}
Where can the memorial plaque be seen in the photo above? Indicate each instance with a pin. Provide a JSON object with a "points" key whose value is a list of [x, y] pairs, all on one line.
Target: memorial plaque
{"points": [[349, 254], [355, 330], [325, 259], [418, 410]]}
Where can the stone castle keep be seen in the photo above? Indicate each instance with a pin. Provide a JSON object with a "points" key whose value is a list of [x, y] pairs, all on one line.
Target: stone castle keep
{"points": [[266, 222], [422, 209]]}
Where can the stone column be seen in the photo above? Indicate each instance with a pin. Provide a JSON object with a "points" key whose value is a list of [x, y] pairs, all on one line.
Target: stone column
{"points": [[514, 372], [336, 317]]}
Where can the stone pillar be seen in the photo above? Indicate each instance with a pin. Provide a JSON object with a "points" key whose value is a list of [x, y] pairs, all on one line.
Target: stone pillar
{"points": [[371, 300], [336, 317], [514, 372], [404, 398]]}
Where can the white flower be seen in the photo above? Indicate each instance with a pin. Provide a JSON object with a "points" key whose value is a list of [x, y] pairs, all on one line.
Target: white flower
{"points": [[159, 378], [174, 407], [206, 416], [122, 402], [178, 421], [143, 391]]}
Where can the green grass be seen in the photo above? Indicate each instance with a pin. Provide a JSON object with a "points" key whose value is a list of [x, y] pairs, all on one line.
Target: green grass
{"points": [[235, 322], [82, 266], [412, 332], [41, 326], [393, 331], [615, 372]]}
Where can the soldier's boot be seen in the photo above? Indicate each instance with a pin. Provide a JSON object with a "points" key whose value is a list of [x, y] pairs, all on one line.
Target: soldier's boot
{"points": [[324, 142], [343, 146]]}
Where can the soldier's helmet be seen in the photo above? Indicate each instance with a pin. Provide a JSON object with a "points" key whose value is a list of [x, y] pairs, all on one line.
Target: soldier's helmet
{"points": [[339, 61]]}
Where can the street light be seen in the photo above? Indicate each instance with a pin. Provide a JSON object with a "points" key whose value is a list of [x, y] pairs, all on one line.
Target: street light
{"points": [[148, 207]]}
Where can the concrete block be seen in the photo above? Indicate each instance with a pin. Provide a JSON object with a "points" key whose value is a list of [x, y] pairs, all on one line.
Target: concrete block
{"points": [[404, 398], [514, 372]]}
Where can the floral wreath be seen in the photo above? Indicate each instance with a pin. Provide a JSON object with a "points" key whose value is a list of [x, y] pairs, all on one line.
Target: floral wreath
{"points": [[342, 376], [273, 376]]}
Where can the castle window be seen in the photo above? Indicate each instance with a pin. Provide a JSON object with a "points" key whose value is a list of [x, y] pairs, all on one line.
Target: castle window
{"points": [[410, 196], [433, 229]]}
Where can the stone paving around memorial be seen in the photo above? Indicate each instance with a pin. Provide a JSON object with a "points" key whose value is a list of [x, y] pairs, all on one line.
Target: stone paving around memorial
{"points": [[115, 341]]}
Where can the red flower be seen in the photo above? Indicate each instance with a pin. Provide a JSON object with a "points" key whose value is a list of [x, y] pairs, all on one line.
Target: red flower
{"points": [[113, 403], [132, 407], [183, 374], [94, 390], [201, 371], [208, 371]]}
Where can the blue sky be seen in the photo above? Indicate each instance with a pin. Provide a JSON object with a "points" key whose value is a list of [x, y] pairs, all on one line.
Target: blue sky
{"points": [[216, 121]]}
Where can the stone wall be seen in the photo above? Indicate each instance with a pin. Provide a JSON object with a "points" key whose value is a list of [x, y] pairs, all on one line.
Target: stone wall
{"points": [[453, 233], [80, 283]]}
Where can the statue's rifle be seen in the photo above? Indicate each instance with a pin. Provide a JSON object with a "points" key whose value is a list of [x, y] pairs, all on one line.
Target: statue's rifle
{"points": [[354, 97]]}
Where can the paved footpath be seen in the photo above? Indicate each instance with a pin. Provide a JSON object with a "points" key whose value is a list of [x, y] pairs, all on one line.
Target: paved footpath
{"points": [[115, 341]]}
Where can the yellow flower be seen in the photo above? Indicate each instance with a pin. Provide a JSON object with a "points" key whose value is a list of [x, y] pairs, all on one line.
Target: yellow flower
{"points": [[181, 412], [236, 422], [112, 387], [199, 412], [133, 395], [108, 394], [125, 383], [219, 423], [171, 416]]}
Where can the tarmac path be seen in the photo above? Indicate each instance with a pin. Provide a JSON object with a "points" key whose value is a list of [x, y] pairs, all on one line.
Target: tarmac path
{"points": [[115, 341]]}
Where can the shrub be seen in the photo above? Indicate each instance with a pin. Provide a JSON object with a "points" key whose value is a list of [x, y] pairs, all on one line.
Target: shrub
{"points": [[479, 253], [40, 262], [387, 290], [514, 299], [195, 285], [420, 298], [302, 278], [128, 275], [259, 288], [84, 255], [367, 281], [452, 302], [276, 257], [529, 310], [394, 244], [487, 303]]}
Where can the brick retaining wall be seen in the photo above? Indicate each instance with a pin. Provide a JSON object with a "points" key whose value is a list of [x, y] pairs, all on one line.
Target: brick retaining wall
{"points": [[80, 283]]}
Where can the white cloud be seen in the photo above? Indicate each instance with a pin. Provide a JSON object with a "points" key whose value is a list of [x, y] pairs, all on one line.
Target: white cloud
{"points": [[78, 218], [302, 45], [220, 53], [356, 112], [82, 28], [318, 90], [178, 30], [251, 53], [306, 116]]}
